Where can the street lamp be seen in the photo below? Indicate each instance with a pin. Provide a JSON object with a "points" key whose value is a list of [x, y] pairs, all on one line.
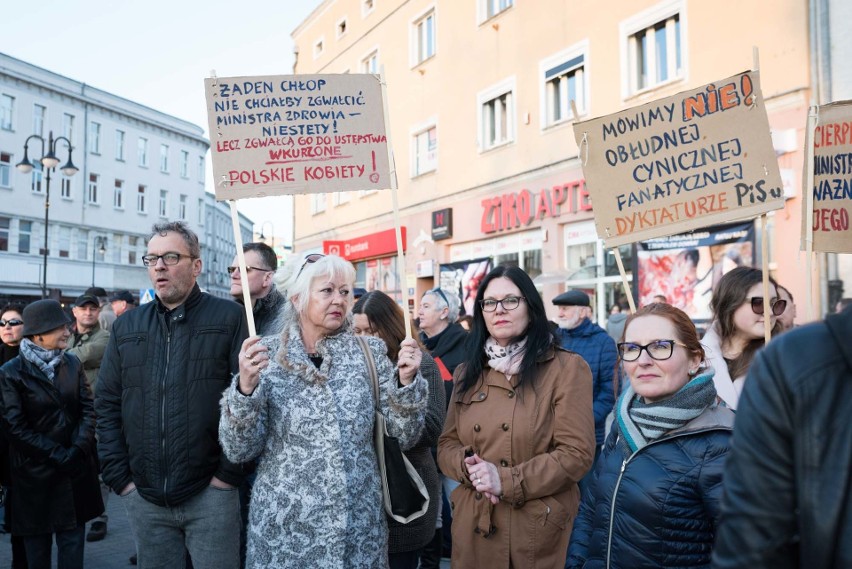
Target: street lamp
{"points": [[262, 237], [49, 161], [99, 245]]}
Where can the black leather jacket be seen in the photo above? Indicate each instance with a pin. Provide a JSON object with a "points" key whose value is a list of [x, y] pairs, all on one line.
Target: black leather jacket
{"points": [[788, 488], [157, 397]]}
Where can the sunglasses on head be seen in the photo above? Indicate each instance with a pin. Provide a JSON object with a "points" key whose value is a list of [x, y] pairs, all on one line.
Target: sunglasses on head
{"points": [[11, 322], [312, 258], [778, 306]]}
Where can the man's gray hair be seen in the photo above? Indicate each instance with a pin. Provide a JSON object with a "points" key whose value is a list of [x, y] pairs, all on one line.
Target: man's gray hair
{"points": [[182, 229]]}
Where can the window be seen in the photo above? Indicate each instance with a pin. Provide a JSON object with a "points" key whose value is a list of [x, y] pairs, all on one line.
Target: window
{"points": [[652, 47], [164, 203], [318, 47], [5, 170], [65, 187], [92, 193], [340, 198], [37, 177], [164, 158], [425, 150], [341, 28], [366, 7], [133, 246], [140, 199], [184, 164], [118, 195], [68, 126], [487, 9], [317, 203], [64, 241], [39, 115], [564, 80], [182, 207], [423, 37], [94, 138], [200, 211], [142, 151], [201, 169], [370, 64], [5, 222], [119, 145], [497, 115], [25, 233], [7, 111]]}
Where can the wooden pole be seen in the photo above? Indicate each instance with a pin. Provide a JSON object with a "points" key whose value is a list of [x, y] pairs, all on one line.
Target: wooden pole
{"points": [[241, 259], [764, 266], [808, 196]]}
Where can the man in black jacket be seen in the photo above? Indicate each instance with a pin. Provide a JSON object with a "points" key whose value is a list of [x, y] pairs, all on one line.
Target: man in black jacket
{"points": [[157, 403], [261, 263], [788, 490]]}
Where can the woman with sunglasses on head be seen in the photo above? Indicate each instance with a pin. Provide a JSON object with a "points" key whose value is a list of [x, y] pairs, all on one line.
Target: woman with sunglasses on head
{"points": [[49, 420], [655, 491], [303, 405], [737, 330], [519, 434], [376, 314]]}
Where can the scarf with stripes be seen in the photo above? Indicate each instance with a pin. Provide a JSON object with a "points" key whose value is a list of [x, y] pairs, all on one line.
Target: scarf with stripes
{"points": [[641, 422]]}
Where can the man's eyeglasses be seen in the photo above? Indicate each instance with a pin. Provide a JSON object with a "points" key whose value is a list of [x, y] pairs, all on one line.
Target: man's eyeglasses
{"points": [[11, 322], [658, 350], [312, 258], [248, 270], [508, 303], [169, 259], [778, 306]]}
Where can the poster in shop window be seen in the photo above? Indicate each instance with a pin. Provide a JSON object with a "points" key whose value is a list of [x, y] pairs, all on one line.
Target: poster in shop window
{"points": [[832, 191], [698, 158], [296, 134], [685, 268], [463, 278]]}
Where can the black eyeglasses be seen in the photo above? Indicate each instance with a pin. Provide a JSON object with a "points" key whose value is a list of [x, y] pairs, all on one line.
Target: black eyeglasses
{"points": [[440, 293], [508, 303], [11, 322], [778, 306], [248, 270], [169, 259], [658, 350], [312, 258]]}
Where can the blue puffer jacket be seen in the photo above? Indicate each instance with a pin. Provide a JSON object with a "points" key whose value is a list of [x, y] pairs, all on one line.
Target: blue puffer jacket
{"points": [[659, 508]]}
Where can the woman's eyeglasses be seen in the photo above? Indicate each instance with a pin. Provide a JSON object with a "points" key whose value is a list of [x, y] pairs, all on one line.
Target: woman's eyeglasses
{"points": [[312, 258], [777, 306], [248, 270], [440, 293], [11, 322], [508, 303], [658, 350]]}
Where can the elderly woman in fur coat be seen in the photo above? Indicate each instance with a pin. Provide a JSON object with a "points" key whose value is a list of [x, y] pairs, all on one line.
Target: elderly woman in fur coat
{"points": [[303, 404]]}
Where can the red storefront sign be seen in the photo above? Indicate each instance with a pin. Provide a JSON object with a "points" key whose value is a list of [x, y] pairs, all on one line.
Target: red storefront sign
{"points": [[366, 246], [518, 209]]}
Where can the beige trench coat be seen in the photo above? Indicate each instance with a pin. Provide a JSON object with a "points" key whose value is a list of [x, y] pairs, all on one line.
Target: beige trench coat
{"points": [[542, 440]]}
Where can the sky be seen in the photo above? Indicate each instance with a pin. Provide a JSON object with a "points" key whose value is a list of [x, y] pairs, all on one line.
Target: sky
{"points": [[158, 52]]}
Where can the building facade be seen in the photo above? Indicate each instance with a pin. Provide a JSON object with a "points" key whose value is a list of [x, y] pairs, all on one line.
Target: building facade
{"points": [[480, 101], [136, 167]]}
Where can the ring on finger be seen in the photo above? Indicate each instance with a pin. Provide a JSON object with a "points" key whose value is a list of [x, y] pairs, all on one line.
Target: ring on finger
{"points": [[255, 363]]}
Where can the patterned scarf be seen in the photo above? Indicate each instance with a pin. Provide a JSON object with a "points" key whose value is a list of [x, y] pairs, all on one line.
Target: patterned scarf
{"points": [[641, 422], [506, 360], [46, 360]]}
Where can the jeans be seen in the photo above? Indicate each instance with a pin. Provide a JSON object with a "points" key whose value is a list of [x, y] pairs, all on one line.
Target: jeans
{"points": [[69, 545], [207, 526]]}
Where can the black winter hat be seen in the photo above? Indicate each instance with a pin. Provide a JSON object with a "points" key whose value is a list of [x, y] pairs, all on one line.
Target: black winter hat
{"points": [[572, 298], [43, 316]]}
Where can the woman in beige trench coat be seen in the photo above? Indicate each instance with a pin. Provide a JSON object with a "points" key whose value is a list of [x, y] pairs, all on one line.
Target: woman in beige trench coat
{"points": [[519, 433]]}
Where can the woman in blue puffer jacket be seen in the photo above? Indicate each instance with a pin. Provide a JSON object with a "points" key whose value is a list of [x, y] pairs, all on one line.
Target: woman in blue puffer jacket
{"points": [[654, 499]]}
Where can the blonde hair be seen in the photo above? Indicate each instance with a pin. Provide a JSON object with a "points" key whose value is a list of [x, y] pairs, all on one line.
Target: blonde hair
{"points": [[330, 267]]}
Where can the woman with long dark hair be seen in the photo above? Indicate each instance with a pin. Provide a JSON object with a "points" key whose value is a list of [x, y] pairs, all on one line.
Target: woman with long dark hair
{"points": [[377, 314], [519, 433], [737, 329]]}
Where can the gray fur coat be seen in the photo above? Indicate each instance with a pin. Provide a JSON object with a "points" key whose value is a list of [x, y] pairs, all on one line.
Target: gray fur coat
{"points": [[317, 498]]}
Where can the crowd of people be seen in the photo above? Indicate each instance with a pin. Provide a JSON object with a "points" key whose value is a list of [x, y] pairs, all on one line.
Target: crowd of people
{"points": [[540, 443]]}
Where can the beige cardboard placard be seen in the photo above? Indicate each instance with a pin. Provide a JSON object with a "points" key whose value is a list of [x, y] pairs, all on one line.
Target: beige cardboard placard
{"points": [[832, 180], [698, 158], [295, 134]]}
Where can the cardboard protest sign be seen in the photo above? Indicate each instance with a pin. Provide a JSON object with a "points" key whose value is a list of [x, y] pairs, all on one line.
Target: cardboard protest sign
{"points": [[832, 185], [698, 158], [293, 134]]}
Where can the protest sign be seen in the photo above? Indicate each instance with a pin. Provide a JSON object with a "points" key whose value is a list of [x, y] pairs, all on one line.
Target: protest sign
{"points": [[294, 134], [698, 158], [832, 181]]}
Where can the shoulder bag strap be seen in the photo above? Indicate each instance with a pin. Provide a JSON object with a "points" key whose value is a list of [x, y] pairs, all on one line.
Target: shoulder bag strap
{"points": [[371, 368]]}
